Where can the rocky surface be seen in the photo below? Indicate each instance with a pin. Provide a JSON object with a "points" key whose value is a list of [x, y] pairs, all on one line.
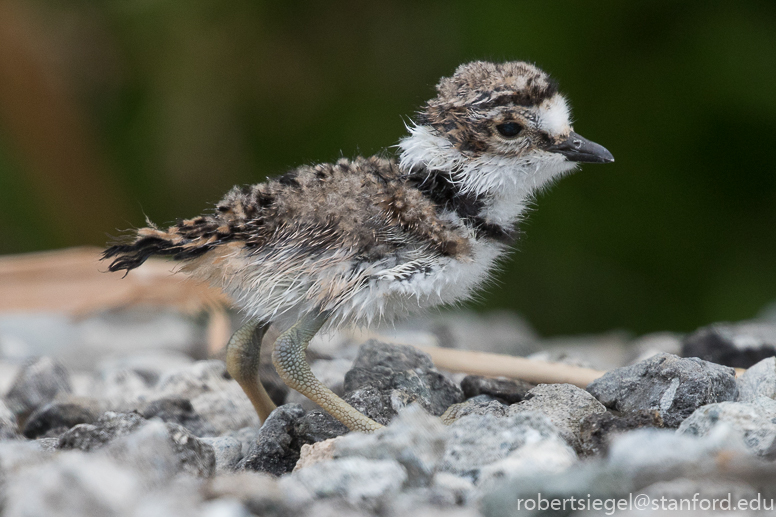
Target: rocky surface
{"points": [[754, 421], [506, 390], [758, 381], [164, 432], [597, 430], [37, 383], [739, 345], [398, 375], [670, 385], [564, 405]]}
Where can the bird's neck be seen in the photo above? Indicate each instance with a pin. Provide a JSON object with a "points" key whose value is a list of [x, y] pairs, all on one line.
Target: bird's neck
{"points": [[493, 191]]}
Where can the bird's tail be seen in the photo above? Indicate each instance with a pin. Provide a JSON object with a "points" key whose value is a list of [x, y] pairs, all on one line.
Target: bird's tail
{"points": [[185, 240]]}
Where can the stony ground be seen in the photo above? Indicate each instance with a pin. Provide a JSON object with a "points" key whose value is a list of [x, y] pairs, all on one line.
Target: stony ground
{"points": [[121, 414]]}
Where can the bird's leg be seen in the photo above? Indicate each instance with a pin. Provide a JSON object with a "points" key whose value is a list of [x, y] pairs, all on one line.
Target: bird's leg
{"points": [[242, 363], [289, 360]]}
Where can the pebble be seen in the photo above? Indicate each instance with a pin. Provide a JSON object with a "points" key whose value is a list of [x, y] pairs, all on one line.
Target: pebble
{"points": [[739, 345], [275, 450], [598, 429], [179, 410], [476, 441], [754, 421], [758, 381], [228, 452], [359, 481], [38, 382], [414, 438], [108, 427], [401, 375], [57, 417], [506, 390], [564, 405], [671, 385], [479, 405]]}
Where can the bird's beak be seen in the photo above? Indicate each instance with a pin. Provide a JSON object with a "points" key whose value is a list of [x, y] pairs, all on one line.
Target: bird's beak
{"points": [[577, 148]]}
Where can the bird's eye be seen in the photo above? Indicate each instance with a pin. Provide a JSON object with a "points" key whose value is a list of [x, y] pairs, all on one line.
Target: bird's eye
{"points": [[509, 129]]}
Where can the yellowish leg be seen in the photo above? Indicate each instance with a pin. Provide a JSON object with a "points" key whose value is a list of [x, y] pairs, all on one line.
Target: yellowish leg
{"points": [[289, 360], [242, 363]]}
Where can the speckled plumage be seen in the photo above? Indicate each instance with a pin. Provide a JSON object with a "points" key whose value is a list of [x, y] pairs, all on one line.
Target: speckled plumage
{"points": [[373, 238]]}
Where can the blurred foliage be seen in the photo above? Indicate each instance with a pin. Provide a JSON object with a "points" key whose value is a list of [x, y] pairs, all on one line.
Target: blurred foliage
{"points": [[117, 109]]}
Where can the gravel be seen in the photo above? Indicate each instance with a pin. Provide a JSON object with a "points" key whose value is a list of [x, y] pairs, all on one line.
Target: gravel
{"points": [[671, 385], [156, 432]]}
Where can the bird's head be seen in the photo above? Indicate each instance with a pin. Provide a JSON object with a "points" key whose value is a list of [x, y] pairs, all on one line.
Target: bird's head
{"points": [[493, 125]]}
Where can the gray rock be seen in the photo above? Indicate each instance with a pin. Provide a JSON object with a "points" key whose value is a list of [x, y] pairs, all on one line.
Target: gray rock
{"points": [[9, 430], [739, 345], [257, 491], [479, 405], [755, 421], [564, 404], [402, 375], [673, 386], [108, 427], [8, 372], [457, 489], [150, 365], [414, 438], [646, 456], [758, 381], [224, 508], [370, 401], [57, 417], [195, 379], [334, 508], [359, 481], [195, 457], [543, 457], [396, 358], [507, 390], [179, 411], [73, 484], [226, 410], [120, 389], [228, 452], [597, 430], [276, 449], [644, 347], [316, 426], [37, 384], [162, 450], [247, 436], [479, 440]]}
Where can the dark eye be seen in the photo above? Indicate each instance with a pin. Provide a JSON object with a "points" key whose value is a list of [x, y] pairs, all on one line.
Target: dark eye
{"points": [[509, 129]]}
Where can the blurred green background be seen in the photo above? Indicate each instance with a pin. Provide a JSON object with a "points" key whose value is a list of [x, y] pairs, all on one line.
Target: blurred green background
{"points": [[113, 110]]}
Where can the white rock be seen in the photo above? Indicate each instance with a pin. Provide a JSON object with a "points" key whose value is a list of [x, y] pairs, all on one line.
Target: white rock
{"points": [[74, 485], [414, 438], [758, 381], [545, 457], [754, 421], [479, 440], [359, 481], [228, 452]]}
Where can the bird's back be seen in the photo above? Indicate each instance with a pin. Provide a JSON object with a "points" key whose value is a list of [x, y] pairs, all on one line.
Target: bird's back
{"points": [[316, 235]]}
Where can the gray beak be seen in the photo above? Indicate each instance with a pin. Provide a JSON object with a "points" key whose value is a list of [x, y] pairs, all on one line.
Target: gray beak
{"points": [[577, 148]]}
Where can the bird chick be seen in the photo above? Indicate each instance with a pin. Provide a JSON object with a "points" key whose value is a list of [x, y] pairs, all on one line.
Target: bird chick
{"points": [[372, 238]]}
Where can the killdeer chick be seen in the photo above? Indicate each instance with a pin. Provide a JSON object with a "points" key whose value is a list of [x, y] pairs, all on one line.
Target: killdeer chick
{"points": [[373, 238]]}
